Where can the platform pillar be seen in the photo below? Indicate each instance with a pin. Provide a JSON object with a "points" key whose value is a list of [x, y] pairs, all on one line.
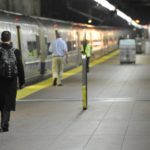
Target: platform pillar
{"points": [[84, 82]]}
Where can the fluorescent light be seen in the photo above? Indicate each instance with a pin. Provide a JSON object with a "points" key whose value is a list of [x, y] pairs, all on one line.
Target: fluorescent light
{"points": [[111, 7], [106, 4], [136, 25], [124, 16]]}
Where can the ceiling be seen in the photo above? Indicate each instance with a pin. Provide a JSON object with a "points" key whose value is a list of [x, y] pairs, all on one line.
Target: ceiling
{"points": [[82, 10], [137, 9]]}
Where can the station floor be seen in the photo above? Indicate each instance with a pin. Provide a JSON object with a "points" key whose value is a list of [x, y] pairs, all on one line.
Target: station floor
{"points": [[117, 118]]}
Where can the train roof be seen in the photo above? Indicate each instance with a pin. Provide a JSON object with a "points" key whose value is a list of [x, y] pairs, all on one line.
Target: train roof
{"points": [[17, 18], [53, 22], [47, 21]]}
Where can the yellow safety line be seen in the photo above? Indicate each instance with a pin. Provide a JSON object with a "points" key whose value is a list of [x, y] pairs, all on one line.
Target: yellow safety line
{"points": [[28, 90]]}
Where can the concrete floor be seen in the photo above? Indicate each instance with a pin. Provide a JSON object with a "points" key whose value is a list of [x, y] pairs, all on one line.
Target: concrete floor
{"points": [[117, 118]]}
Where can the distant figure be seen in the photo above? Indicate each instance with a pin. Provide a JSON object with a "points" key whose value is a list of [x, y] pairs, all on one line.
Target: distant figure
{"points": [[59, 49], [87, 49], [11, 67]]}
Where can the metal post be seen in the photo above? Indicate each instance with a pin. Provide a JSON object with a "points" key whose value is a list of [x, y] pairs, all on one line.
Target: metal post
{"points": [[19, 39], [84, 82]]}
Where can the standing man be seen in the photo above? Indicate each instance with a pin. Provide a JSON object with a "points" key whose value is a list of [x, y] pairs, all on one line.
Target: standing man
{"points": [[11, 67], [86, 49], [58, 48]]}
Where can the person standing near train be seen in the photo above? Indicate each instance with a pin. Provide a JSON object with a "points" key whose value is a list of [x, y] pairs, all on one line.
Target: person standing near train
{"points": [[87, 50], [59, 49], [11, 67]]}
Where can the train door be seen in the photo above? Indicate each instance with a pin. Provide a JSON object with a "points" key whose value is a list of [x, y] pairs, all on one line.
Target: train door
{"points": [[74, 47], [41, 45], [28, 43], [49, 36]]}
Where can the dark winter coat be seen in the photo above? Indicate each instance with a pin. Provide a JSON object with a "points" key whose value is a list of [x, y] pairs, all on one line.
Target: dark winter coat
{"points": [[8, 87]]}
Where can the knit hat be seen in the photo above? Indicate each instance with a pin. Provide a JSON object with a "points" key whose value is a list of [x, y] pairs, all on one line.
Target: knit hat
{"points": [[5, 36]]}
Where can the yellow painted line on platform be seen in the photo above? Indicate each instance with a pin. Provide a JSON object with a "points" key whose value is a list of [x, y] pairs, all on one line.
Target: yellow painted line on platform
{"points": [[104, 58], [28, 90]]}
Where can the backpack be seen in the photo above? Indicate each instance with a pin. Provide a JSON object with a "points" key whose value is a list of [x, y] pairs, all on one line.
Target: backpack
{"points": [[8, 63]]}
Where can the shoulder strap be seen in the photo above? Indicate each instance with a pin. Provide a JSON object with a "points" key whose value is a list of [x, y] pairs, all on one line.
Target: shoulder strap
{"points": [[12, 49], [2, 49]]}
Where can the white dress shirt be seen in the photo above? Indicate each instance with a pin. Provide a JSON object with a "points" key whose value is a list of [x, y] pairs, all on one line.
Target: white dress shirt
{"points": [[58, 47]]}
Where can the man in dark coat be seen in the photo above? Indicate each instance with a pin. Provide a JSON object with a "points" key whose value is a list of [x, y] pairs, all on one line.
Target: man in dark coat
{"points": [[8, 87]]}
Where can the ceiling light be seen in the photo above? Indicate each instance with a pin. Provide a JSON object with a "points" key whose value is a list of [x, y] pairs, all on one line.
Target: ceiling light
{"points": [[111, 7], [137, 21], [106, 4], [124, 16], [90, 21]]}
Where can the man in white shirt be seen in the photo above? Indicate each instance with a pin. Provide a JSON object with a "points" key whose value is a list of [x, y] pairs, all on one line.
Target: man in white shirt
{"points": [[59, 49]]}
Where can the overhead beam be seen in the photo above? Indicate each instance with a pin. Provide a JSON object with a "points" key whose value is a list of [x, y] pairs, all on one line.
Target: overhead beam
{"points": [[83, 14]]}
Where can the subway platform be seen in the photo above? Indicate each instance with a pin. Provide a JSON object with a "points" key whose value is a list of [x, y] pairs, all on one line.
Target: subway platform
{"points": [[117, 118]]}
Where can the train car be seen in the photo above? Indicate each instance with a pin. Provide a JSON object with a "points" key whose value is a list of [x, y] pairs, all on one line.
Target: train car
{"points": [[33, 35]]}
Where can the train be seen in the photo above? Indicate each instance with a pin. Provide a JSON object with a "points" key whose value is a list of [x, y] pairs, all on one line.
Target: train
{"points": [[33, 36]]}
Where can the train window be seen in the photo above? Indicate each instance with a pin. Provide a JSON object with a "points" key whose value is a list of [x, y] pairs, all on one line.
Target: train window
{"points": [[38, 45], [74, 45], [33, 49], [71, 45], [105, 41], [47, 46]]}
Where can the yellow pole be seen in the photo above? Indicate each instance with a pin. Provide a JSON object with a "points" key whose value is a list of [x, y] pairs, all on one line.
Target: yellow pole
{"points": [[84, 82]]}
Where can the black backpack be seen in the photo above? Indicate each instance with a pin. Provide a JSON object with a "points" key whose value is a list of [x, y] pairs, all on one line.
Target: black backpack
{"points": [[8, 63]]}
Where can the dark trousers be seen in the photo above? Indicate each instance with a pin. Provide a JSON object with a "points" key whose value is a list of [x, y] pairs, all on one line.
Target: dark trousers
{"points": [[87, 64], [5, 117]]}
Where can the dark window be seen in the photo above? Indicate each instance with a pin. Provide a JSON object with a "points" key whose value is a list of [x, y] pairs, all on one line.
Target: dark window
{"points": [[71, 45], [34, 47], [74, 45], [47, 46], [38, 45]]}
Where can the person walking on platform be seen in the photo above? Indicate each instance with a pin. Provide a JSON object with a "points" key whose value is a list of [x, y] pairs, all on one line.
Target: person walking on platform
{"points": [[11, 67], [59, 49], [87, 50]]}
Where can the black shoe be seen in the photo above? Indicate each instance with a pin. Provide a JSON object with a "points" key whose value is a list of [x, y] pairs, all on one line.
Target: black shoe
{"points": [[55, 82], [4, 130], [59, 85]]}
